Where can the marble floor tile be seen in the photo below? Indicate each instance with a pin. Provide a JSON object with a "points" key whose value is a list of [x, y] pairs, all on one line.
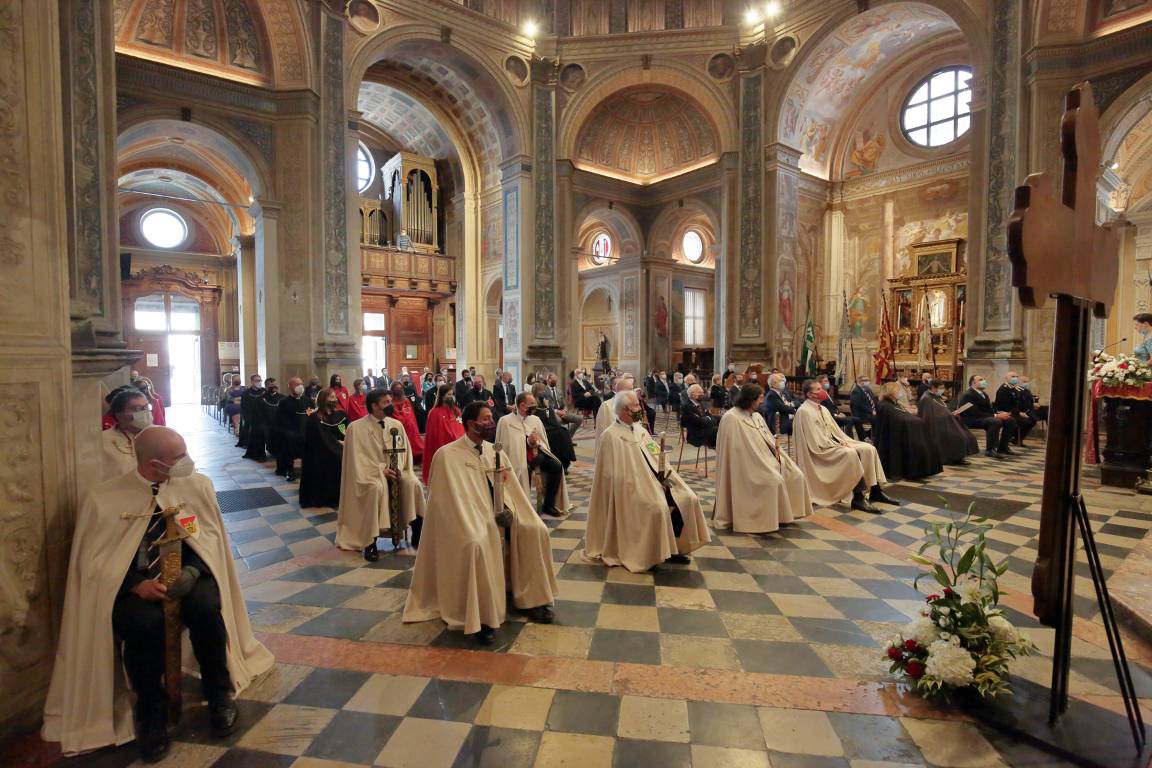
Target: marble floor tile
{"points": [[582, 712], [704, 756], [629, 617], [574, 750], [653, 719], [553, 640], [421, 743], [952, 744], [704, 652], [287, 729], [387, 694], [509, 706], [680, 597], [801, 732]]}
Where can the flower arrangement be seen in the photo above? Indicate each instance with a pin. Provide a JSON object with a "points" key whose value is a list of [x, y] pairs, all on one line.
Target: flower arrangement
{"points": [[961, 640], [1119, 371]]}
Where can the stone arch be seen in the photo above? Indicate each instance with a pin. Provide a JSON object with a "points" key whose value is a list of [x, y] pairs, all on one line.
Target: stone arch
{"points": [[1126, 144], [618, 221], [712, 98], [675, 219]]}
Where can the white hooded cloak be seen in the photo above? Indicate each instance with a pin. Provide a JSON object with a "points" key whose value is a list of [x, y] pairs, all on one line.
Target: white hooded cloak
{"points": [[89, 705], [605, 418], [364, 510], [629, 522], [758, 486], [832, 462], [460, 568], [512, 433], [119, 452]]}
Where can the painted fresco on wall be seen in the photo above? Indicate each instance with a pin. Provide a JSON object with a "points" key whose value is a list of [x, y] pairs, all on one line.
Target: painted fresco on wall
{"points": [[491, 234], [677, 312], [864, 152]]}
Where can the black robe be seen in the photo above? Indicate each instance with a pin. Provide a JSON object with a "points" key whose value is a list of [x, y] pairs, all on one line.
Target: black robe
{"points": [[261, 440], [291, 418], [559, 438], [323, 455], [954, 441], [902, 442], [248, 401]]}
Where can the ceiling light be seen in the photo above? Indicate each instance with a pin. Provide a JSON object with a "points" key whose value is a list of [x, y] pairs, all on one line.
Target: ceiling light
{"points": [[771, 9], [1115, 165], [531, 28], [752, 17]]}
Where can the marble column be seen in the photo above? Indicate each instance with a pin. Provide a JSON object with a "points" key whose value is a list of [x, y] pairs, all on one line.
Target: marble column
{"points": [[728, 248], [42, 393], [782, 181], [995, 328], [246, 297], [267, 284], [567, 270], [518, 258]]}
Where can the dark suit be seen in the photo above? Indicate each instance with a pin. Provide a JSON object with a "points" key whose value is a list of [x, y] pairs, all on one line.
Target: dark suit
{"points": [[700, 426], [504, 395], [863, 404], [982, 416], [584, 395], [1018, 402], [846, 423], [462, 386], [778, 403], [371, 382], [659, 393]]}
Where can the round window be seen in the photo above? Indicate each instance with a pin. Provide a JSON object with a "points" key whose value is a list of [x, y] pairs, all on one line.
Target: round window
{"points": [[163, 228], [601, 248], [365, 168], [938, 111], [692, 246]]}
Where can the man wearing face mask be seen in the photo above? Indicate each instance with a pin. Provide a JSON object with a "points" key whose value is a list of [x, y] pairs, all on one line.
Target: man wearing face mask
{"points": [[641, 513], [130, 411], [323, 453], [1143, 350], [504, 396], [291, 416], [115, 596], [263, 413], [863, 404], [1012, 398], [312, 390], [460, 575], [925, 385], [952, 439], [366, 475], [998, 426], [584, 394], [778, 406], [525, 440], [248, 400], [463, 388]]}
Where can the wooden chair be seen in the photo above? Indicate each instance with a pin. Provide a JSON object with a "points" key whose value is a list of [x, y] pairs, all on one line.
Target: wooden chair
{"points": [[699, 448]]}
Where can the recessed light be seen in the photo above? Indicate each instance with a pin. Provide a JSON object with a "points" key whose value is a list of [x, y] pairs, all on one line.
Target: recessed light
{"points": [[771, 9], [531, 28], [752, 16]]}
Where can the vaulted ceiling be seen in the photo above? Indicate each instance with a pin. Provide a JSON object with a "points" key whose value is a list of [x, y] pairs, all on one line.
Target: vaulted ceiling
{"points": [[646, 134]]}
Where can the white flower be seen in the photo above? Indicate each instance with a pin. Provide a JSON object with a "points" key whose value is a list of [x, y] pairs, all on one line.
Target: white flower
{"points": [[923, 631], [945, 611], [1002, 629], [970, 591], [950, 664]]}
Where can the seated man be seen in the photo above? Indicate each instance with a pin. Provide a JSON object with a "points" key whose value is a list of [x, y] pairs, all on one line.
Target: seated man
{"points": [[835, 464], [555, 397], [115, 598], [699, 425], [559, 436], [778, 406], [863, 404], [636, 518], [952, 439], [130, 410], [828, 399], [503, 395], [460, 575], [524, 439], [758, 487], [366, 476], [606, 414], [999, 427], [584, 394], [1014, 399], [902, 439]]}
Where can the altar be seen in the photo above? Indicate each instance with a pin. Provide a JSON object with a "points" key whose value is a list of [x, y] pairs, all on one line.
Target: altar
{"points": [[1124, 413]]}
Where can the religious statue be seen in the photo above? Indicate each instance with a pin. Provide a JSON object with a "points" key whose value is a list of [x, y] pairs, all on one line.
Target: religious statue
{"points": [[603, 349], [661, 318]]}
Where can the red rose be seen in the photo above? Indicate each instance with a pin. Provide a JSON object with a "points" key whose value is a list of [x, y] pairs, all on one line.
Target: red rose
{"points": [[895, 654], [1123, 366], [915, 669], [930, 598], [948, 593], [910, 645]]}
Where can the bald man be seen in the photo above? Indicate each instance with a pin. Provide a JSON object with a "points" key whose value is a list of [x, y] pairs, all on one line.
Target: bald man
{"points": [[606, 415], [114, 607]]}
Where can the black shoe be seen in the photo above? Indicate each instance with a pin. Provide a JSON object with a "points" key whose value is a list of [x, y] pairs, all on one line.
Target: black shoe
{"points": [[291, 477], [486, 635], [963, 463], [541, 614], [877, 495], [679, 560], [371, 553], [555, 512], [152, 733], [994, 455], [862, 504], [222, 715]]}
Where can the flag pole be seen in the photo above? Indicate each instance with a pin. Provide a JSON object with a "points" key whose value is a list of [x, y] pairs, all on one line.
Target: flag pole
{"points": [[851, 339]]}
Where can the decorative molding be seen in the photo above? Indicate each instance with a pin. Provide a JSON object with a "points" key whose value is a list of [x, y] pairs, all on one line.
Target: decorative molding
{"points": [[511, 211], [1003, 107], [751, 207], [544, 303], [630, 314], [13, 158], [1107, 88], [903, 177], [335, 192], [1133, 44], [260, 134]]}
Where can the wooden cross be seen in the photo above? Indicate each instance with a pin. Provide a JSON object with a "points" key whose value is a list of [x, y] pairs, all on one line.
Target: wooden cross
{"points": [[1057, 249]]}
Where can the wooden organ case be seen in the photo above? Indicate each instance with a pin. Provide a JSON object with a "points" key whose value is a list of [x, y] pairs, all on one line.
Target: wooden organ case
{"points": [[930, 295]]}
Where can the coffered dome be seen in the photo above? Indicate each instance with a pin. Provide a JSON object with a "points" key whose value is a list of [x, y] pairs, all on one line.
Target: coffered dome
{"points": [[645, 135], [261, 43]]}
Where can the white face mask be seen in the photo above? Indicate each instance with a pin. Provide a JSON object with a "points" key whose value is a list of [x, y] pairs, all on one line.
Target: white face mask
{"points": [[298, 390], [142, 419], [183, 467]]}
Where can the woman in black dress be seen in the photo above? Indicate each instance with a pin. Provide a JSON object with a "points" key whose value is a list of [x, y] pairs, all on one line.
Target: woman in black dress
{"points": [[901, 439], [323, 453]]}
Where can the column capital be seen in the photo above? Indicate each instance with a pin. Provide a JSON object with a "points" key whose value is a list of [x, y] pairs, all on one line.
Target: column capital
{"points": [[781, 157]]}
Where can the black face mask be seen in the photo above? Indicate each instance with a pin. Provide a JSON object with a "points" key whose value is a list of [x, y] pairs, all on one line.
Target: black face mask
{"points": [[488, 432], [389, 410]]}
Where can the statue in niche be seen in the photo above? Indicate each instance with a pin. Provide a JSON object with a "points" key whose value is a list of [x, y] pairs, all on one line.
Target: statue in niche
{"points": [[603, 350], [786, 303], [857, 313], [661, 318]]}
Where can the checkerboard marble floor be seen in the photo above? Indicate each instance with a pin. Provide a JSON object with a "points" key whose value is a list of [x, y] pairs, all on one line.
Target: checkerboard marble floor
{"points": [[764, 651]]}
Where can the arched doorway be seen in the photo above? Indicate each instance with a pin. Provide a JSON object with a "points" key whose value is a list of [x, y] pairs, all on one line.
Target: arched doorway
{"points": [[494, 324], [598, 315]]}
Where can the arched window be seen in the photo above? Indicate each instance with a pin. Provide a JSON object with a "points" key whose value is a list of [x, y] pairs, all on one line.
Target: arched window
{"points": [[365, 168], [692, 246], [938, 111], [601, 248], [163, 228]]}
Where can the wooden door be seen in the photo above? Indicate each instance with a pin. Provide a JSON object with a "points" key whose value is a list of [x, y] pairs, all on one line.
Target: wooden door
{"points": [[155, 349]]}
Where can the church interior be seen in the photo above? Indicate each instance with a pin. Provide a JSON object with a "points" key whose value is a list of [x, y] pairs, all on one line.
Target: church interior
{"points": [[200, 189]]}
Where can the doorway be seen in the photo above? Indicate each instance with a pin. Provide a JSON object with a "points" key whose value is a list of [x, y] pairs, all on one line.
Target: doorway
{"points": [[184, 368], [166, 328]]}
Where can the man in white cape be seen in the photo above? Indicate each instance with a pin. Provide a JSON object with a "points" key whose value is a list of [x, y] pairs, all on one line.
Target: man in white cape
{"points": [[520, 431], [635, 519], [113, 599], [129, 408], [366, 474], [462, 573], [606, 414], [758, 487], [834, 464]]}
